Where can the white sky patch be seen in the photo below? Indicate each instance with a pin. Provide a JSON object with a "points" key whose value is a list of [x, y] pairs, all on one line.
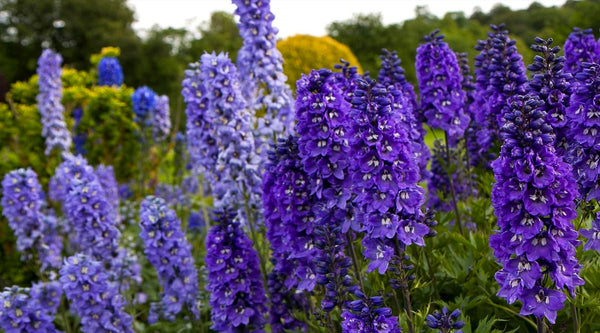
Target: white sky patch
{"points": [[309, 17]]}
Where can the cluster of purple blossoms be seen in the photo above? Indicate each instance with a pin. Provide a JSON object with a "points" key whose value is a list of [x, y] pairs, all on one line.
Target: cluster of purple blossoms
{"points": [[533, 198], [580, 47], [261, 72], [71, 169], [583, 115], [143, 102], [125, 268], [445, 322], [289, 218], [30, 310], [368, 315], [237, 297], [171, 254], [440, 78], [23, 203], [499, 74], [93, 297], [388, 199], [106, 177], [49, 102], [88, 210], [551, 84], [110, 72], [592, 235], [391, 73], [160, 119]]}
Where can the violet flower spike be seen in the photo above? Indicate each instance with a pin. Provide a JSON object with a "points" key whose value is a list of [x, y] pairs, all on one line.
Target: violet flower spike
{"points": [[28, 309], [110, 72]]}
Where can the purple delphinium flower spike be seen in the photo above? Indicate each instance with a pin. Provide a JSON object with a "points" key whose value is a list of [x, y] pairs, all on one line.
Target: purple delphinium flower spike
{"points": [[444, 321], [261, 72], [49, 102], [93, 297], [71, 169], [369, 315], [289, 218], [48, 294], [27, 310], [161, 121], [442, 97], [237, 297], [499, 74], [391, 73], [110, 72], [171, 254], [551, 84], [580, 47], [22, 203], [89, 211], [143, 102], [533, 198], [592, 235], [583, 115], [106, 177], [388, 198]]}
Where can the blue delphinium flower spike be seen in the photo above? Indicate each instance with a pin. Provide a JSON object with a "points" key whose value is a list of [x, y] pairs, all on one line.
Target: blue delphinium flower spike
{"points": [[110, 72], [580, 47]]}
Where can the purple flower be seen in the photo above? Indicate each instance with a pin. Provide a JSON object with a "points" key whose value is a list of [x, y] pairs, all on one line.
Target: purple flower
{"points": [[29, 309], [106, 177], [592, 235], [171, 254], [444, 321], [533, 198], [49, 102], [261, 72], [368, 315], [442, 97], [93, 297], [143, 102], [110, 72], [580, 47], [160, 119], [237, 298]]}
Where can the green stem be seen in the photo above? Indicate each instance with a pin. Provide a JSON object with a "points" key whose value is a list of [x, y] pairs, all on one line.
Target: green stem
{"points": [[355, 261], [541, 326], [405, 292], [431, 273], [575, 318], [452, 192], [258, 247]]}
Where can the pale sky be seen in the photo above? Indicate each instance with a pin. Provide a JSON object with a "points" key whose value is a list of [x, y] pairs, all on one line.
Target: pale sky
{"points": [[306, 16]]}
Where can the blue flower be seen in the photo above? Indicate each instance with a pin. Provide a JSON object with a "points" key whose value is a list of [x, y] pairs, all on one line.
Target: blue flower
{"points": [[444, 321], [30, 310], [580, 47], [143, 100], [110, 72]]}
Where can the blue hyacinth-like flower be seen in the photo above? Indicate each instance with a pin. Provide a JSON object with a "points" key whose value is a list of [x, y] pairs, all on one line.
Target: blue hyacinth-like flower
{"points": [[71, 169], [445, 321], [161, 121], [385, 174], [499, 74], [93, 297], [440, 78], [30, 310], [237, 299], [392, 73], [551, 84], [580, 47], [583, 115], [143, 102], [260, 65], [54, 127], [89, 212], [110, 72], [171, 254], [533, 198], [368, 315], [36, 230], [106, 177]]}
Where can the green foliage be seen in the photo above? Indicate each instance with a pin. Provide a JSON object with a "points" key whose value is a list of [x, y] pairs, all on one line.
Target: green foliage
{"points": [[303, 53]]}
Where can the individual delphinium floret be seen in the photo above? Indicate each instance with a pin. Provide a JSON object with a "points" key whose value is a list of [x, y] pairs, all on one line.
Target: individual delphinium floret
{"points": [[368, 315], [440, 78], [533, 198], [110, 72], [89, 212], [237, 297], [445, 321], [93, 297], [392, 73], [143, 102], [28, 310], [385, 174], [260, 65], [583, 115], [551, 84], [54, 127], [580, 47], [499, 74], [23, 206], [161, 121], [289, 219], [171, 254]]}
